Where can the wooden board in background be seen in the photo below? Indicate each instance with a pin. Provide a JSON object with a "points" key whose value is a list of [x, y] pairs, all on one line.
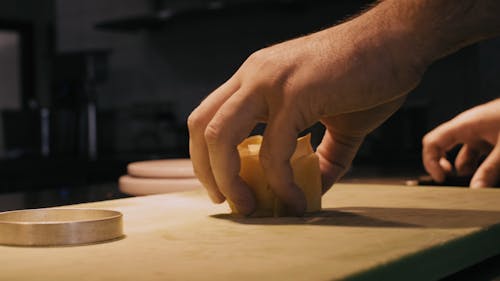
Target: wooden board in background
{"points": [[366, 232]]}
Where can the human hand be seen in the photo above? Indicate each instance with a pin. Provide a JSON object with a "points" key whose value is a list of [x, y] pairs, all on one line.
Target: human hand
{"points": [[343, 136], [343, 77], [478, 129], [353, 75]]}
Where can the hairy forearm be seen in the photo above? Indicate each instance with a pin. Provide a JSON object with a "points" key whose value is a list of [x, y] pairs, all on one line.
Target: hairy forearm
{"points": [[390, 46], [435, 28], [382, 54]]}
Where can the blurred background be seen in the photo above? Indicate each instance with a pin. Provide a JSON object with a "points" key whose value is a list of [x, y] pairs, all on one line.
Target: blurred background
{"points": [[89, 86]]}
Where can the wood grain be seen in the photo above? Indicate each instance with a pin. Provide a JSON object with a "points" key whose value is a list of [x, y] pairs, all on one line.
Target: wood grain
{"points": [[365, 232]]}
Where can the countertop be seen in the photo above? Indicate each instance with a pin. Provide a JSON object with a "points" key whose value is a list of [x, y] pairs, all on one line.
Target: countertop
{"points": [[365, 232]]}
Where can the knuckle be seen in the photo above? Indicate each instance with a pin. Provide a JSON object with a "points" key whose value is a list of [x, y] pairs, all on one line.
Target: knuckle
{"points": [[428, 140], [258, 56], [268, 65], [213, 134], [195, 122]]}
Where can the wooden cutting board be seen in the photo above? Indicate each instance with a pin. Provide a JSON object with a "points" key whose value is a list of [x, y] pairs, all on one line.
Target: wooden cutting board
{"points": [[162, 169], [366, 232]]}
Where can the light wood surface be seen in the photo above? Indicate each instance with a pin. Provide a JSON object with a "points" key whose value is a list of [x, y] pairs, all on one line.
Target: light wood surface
{"points": [[365, 232], [148, 186], [165, 168]]}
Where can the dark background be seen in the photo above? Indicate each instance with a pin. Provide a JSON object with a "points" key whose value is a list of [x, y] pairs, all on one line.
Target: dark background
{"points": [[89, 86], [145, 65]]}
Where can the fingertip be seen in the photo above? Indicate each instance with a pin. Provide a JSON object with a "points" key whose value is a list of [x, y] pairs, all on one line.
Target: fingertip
{"points": [[212, 190], [436, 172], [239, 194], [327, 183], [440, 177], [445, 165], [245, 207], [335, 154], [435, 144], [330, 173], [216, 197], [477, 184], [432, 167], [279, 174], [488, 173]]}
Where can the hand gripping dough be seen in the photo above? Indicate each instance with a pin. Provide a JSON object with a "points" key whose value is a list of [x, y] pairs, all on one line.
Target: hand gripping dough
{"points": [[306, 173]]}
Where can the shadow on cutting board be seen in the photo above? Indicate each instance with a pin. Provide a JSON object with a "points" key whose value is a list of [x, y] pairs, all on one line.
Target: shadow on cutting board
{"points": [[380, 217]]}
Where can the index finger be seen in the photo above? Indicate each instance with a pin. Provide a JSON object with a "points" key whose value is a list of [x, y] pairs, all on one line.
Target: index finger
{"points": [[231, 124], [435, 145], [197, 124]]}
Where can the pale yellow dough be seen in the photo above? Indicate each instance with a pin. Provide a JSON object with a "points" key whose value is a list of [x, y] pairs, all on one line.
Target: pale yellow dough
{"points": [[306, 175]]}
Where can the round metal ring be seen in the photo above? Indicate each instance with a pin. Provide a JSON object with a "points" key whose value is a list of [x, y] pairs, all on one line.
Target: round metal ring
{"points": [[59, 227]]}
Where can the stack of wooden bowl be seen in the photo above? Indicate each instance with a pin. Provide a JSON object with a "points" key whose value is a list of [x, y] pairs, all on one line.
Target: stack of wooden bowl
{"points": [[158, 176]]}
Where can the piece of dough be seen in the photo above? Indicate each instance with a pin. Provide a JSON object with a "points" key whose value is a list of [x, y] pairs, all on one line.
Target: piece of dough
{"points": [[307, 176]]}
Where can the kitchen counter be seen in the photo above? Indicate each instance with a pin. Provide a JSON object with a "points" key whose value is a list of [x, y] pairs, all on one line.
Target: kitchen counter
{"points": [[365, 232]]}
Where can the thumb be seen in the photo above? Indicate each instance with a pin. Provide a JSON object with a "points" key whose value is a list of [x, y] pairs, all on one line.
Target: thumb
{"points": [[488, 173], [336, 153]]}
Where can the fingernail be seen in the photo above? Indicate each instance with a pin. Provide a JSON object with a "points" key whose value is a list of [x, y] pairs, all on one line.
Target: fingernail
{"points": [[477, 184]]}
